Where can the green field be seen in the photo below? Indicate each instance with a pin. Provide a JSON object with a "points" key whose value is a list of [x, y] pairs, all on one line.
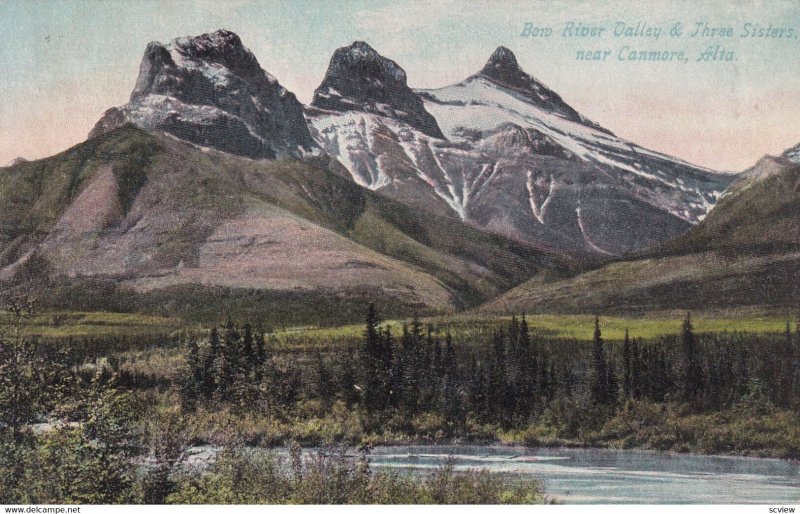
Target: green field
{"points": [[567, 326], [581, 326], [62, 325]]}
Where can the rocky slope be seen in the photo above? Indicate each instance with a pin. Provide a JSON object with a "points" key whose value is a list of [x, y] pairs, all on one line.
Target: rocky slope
{"points": [[210, 90], [746, 252], [499, 151], [515, 159], [153, 217], [358, 78]]}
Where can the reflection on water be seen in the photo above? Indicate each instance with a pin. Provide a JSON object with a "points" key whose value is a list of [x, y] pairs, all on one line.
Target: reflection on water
{"points": [[615, 476]]}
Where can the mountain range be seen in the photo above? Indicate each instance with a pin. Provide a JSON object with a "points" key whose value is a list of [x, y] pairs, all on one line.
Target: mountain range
{"points": [[514, 158], [746, 252], [215, 186]]}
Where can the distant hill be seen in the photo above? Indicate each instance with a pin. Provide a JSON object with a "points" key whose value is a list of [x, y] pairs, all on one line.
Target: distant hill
{"points": [[140, 216], [745, 252]]}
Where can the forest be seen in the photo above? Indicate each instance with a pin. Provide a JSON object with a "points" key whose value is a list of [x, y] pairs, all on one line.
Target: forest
{"points": [[114, 419]]}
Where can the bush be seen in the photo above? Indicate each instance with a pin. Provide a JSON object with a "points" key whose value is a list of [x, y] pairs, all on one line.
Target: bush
{"points": [[240, 476]]}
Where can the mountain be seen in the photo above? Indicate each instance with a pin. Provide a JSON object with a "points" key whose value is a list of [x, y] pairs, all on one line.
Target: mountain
{"points": [[503, 70], [206, 193], [360, 78], [18, 160], [512, 158], [211, 91], [745, 252], [758, 213], [214, 190], [135, 220]]}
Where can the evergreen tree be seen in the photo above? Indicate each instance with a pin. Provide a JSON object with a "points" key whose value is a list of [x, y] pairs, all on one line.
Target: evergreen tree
{"points": [[348, 379], [451, 405], [208, 365], [414, 366], [260, 349], [601, 393], [545, 380], [627, 363], [499, 393], [449, 358], [248, 344], [374, 382], [612, 386], [693, 372], [192, 384], [479, 398], [636, 370], [222, 372], [388, 356], [526, 384], [324, 383], [437, 360], [662, 380]]}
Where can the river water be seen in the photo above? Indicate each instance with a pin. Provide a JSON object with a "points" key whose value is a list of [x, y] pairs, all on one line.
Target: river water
{"points": [[615, 476], [596, 475]]}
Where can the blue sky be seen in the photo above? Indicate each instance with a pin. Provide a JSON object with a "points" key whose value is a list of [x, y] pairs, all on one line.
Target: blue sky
{"points": [[62, 63]]}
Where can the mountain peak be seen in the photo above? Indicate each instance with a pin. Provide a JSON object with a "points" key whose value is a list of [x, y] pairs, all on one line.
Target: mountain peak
{"points": [[360, 49], [503, 69], [210, 90], [793, 153], [222, 47], [363, 60], [501, 58], [18, 160], [211, 40], [361, 79]]}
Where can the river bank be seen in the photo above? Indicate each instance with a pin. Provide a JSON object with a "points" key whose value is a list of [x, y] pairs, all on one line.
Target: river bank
{"points": [[745, 430], [578, 475]]}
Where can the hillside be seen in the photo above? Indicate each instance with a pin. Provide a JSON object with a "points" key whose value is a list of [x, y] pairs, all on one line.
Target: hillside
{"points": [[140, 215], [745, 252]]}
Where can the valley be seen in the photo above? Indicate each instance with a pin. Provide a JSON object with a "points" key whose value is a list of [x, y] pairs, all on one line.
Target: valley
{"points": [[221, 267]]}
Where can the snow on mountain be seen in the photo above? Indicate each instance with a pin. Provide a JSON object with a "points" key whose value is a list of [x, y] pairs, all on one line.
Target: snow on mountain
{"points": [[348, 137], [211, 91], [480, 104], [499, 150], [514, 158], [503, 69]]}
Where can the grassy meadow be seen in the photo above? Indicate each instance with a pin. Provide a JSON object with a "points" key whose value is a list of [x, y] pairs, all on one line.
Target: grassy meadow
{"points": [[567, 326], [54, 325], [65, 325]]}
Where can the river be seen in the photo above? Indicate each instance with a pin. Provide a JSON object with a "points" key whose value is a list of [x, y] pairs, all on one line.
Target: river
{"points": [[599, 475], [615, 476]]}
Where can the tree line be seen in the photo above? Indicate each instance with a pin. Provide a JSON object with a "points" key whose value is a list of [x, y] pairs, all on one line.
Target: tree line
{"points": [[509, 382]]}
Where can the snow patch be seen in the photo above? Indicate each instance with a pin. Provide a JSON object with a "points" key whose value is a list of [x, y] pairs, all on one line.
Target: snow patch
{"points": [[348, 137], [539, 211], [585, 235], [477, 104]]}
